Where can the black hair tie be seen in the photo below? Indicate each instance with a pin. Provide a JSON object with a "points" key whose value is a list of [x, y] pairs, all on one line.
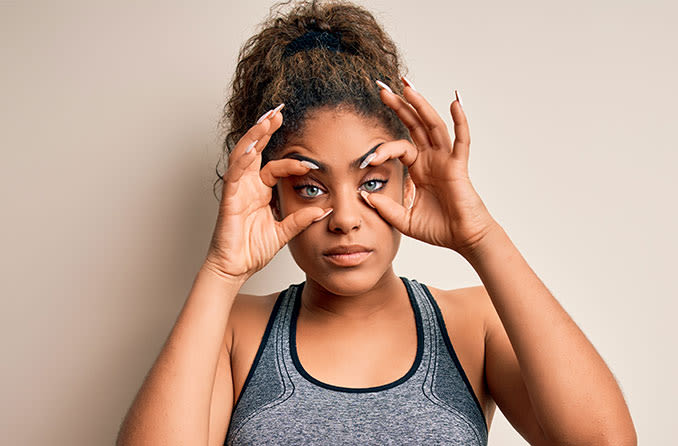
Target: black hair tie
{"points": [[316, 39]]}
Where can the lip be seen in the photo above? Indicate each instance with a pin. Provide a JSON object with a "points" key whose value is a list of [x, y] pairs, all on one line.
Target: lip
{"points": [[347, 255], [351, 259], [346, 249]]}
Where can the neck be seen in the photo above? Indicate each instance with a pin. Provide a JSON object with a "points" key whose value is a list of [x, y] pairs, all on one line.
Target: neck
{"points": [[323, 305]]}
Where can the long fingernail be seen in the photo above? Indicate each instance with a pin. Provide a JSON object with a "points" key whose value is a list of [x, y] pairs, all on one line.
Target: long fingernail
{"points": [[365, 195], [456, 93], [408, 83], [309, 164], [384, 86], [324, 215], [252, 144], [367, 160], [264, 116], [277, 109]]}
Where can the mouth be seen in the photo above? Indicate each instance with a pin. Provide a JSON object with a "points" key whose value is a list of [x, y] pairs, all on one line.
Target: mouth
{"points": [[351, 259], [347, 255]]}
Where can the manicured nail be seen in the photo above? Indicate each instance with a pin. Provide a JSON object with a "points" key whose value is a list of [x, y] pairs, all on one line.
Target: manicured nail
{"points": [[408, 83], [365, 195], [252, 144], [309, 164], [324, 215], [264, 116], [277, 109], [456, 93], [367, 160], [384, 86]]}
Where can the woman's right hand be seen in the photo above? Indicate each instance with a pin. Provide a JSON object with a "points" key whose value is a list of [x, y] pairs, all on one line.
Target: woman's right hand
{"points": [[247, 235]]}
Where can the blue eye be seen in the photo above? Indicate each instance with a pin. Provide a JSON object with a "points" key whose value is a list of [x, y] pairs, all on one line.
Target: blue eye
{"points": [[375, 181], [307, 187], [314, 191]]}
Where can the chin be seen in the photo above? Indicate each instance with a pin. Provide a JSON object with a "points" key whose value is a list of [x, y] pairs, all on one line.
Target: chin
{"points": [[350, 281]]}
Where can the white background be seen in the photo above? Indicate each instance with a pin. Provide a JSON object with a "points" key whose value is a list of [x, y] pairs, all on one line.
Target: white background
{"points": [[109, 141]]}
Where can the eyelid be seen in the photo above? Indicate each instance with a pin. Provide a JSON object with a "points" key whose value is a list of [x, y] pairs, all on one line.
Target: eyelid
{"points": [[383, 183], [301, 186]]}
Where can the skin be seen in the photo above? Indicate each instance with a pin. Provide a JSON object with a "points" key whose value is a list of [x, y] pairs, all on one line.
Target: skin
{"points": [[342, 294], [515, 342]]}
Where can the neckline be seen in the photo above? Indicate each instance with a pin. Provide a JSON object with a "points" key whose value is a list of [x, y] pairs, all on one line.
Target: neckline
{"points": [[297, 364]]}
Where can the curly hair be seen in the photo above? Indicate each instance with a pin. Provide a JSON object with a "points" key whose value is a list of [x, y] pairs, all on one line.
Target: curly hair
{"points": [[306, 79]]}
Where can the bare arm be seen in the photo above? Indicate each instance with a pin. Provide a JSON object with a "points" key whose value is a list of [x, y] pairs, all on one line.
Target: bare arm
{"points": [[555, 371], [173, 404], [574, 396]]}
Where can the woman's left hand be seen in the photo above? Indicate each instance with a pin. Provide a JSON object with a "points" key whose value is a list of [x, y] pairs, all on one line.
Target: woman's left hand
{"points": [[447, 211]]}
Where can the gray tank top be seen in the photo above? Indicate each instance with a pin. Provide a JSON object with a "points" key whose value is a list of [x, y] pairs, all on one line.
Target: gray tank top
{"points": [[280, 403]]}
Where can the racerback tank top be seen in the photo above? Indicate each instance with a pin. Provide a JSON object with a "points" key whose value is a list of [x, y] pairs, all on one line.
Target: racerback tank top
{"points": [[433, 403]]}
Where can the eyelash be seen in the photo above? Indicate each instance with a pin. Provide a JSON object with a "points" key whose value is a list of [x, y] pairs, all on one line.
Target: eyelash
{"points": [[305, 185]]}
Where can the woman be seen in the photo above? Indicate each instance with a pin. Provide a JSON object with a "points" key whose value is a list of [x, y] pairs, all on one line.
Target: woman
{"points": [[349, 157]]}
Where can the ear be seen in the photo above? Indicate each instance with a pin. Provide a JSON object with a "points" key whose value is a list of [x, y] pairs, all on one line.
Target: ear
{"points": [[409, 192]]}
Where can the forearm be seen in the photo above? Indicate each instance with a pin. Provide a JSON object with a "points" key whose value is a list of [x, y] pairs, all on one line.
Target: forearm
{"points": [[573, 393], [172, 406]]}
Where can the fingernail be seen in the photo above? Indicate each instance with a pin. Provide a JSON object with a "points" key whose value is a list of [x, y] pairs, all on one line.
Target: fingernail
{"points": [[367, 160], [384, 86], [277, 109], [408, 83], [309, 164], [324, 215], [252, 144], [456, 93], [264, 116], [365, 195]]}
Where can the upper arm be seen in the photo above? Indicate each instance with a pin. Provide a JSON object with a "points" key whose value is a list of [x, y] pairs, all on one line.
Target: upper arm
{"points": [[221, 403], [503, 377]]}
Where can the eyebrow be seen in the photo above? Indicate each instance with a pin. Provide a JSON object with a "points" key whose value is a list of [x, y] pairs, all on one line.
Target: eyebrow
{"points": [[355, 164]]}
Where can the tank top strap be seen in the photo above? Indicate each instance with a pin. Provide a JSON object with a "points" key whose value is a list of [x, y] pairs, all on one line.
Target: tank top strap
{"points": [[268, 382], [426, 328], [446, 382]]}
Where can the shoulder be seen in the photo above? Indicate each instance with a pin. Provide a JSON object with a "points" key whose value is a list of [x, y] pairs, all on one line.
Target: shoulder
{"points": [[469, 303], [249, 313], [467, 313]]}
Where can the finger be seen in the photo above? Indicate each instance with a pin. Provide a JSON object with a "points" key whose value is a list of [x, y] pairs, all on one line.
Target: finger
{"points": [[238, 166], [400, 149], [409, 116], [462, 135], [394, 213], [275, 169], [436, 127], [253, 137], [243, 155], [297, 221]]}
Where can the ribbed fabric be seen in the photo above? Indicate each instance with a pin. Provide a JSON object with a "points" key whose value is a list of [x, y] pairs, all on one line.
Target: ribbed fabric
{"points": [[433, 403]]}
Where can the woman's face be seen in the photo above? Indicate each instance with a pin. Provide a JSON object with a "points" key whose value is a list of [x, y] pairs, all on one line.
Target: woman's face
{"points": [[338, 141]]}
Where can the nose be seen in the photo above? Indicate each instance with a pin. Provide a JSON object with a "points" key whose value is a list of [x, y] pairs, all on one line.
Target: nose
{"points": [[348, 211]]}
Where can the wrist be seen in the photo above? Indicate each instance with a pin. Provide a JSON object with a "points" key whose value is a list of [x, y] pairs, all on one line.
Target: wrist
{"points": [[487, 239], [210, 270]]}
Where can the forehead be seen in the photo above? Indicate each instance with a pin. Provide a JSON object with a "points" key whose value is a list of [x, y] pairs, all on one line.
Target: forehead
{"points": [[337, 138]]}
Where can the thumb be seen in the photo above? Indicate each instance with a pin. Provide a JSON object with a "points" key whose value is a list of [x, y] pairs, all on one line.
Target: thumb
{"points": [[296, 222], [394, 213]]}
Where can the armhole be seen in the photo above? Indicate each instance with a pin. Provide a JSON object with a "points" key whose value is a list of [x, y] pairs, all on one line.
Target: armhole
{"points": [[262, 345], [453, 354]]}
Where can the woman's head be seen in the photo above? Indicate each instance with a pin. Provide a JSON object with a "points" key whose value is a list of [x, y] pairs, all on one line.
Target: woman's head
{"points": [[322, 60], [317, 54]]}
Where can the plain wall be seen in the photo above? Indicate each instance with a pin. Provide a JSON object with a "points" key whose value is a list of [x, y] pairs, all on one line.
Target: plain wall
{"points": [[109, 143]]}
